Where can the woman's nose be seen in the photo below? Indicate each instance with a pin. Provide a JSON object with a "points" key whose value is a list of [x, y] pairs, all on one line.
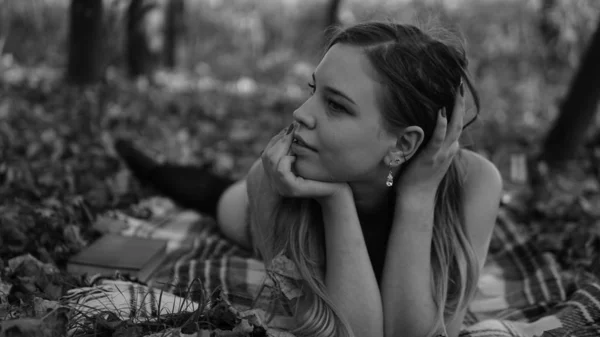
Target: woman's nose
{"points": [[304, 117]]}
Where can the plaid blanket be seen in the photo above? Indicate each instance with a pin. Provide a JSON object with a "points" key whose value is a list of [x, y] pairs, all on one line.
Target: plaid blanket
{"points": [[522, 291]]}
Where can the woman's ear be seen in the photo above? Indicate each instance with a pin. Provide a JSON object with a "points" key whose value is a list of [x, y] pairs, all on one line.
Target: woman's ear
{"points": [[409, 141]]}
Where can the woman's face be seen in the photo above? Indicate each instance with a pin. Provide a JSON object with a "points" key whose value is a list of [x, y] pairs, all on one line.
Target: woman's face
{"points": [[341, 121]]}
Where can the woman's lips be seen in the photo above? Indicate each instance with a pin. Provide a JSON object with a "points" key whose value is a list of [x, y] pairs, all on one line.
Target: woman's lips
{"points": [[298, 140]]}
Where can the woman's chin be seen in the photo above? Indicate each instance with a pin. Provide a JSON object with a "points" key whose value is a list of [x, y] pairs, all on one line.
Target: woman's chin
{"points": [[304, 171]]}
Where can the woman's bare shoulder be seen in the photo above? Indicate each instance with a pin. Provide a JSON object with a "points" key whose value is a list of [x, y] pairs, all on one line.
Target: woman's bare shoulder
{"points": [[482, 190], [479, 173]]}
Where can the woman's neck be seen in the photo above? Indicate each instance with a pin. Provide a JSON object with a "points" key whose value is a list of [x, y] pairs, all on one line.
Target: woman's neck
{"points": [[372, 199]]}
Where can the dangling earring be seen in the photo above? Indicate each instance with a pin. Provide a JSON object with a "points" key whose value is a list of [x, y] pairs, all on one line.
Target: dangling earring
{"points": [[390, 178]]}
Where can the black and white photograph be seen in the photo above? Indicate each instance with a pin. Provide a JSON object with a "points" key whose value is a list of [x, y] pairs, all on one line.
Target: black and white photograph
{"points": [[299, 168]]}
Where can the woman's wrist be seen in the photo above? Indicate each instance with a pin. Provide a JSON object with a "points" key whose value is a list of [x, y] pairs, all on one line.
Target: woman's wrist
{"points": [[415, 210], [336, 199], [415, 199]]}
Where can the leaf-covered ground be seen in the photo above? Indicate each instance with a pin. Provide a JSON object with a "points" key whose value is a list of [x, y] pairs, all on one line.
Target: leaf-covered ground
{"points": [[58, 170]]}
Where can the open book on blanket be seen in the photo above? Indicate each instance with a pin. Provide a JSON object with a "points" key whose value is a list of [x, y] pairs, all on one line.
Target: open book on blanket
{"points": [[139, 246], [135, 256]]}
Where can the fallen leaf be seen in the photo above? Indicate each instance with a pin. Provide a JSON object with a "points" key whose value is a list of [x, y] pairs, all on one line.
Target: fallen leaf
{"points": [[42, 306], [253, 317], [4, 290], [284, 273], [109, 224], [53, 325], [120, 182], [108, 320], [128, 331], [283, 266], [171, 332], [72, 235], [243, 326]]}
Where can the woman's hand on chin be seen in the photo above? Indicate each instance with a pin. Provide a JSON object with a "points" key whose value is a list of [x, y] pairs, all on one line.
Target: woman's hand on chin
{"points": [[278, 163], [425, 171]]}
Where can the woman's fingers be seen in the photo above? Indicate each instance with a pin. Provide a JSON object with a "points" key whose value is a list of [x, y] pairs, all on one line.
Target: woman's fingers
{"points": [[289, 183], [297, 186], [276, 138], [277, 149], [284, 170], [278, 146], [439, 133], [281, 147], [457, 121]]}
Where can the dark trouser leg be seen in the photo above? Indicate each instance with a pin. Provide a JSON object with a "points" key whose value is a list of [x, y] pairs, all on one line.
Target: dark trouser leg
{"points": [[191, 187]]}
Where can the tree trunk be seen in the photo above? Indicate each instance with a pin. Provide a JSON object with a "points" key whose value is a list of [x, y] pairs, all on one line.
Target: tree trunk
{"points": [[333, 17], [578, 109], [145, 37], [548, 28], [549, 31], [174, 30], [85, 64]]}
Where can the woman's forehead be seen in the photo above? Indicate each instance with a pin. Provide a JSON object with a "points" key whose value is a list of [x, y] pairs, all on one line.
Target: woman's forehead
{"points": [[343, 62], [347, 69]]}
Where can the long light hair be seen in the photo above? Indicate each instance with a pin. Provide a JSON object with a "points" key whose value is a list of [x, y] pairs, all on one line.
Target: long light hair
{"points": [[420, 75]]}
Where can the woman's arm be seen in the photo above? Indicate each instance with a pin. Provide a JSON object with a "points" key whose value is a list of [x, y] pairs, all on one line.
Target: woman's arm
{"points": [[231, 214], [262, 202], [408, 303], [239, 199], [349, 276]]}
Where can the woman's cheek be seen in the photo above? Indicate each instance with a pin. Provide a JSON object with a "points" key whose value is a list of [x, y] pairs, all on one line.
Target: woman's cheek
{"points": [[308, 169]]}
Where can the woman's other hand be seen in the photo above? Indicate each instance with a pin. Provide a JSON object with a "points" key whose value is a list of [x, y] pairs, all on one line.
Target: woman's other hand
{"points": [[277, 163], [425, 171]]}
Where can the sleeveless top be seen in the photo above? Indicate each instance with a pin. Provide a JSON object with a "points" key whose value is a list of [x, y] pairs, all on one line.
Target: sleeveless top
{"points": [[376, 235]]}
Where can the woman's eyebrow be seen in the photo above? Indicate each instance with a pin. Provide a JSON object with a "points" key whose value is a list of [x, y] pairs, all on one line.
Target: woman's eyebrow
{"points": [[334, 91]]}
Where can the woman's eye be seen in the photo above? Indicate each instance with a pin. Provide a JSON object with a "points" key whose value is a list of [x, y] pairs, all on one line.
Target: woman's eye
{"points": [[332, 105], [336, 107]]}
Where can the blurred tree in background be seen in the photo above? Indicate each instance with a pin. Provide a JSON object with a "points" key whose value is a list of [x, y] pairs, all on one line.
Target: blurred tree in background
{"points": [[333, 13], [175, 29], [549, 28], [85, 63], [146, 36], [153, 33], [578, 109]]}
